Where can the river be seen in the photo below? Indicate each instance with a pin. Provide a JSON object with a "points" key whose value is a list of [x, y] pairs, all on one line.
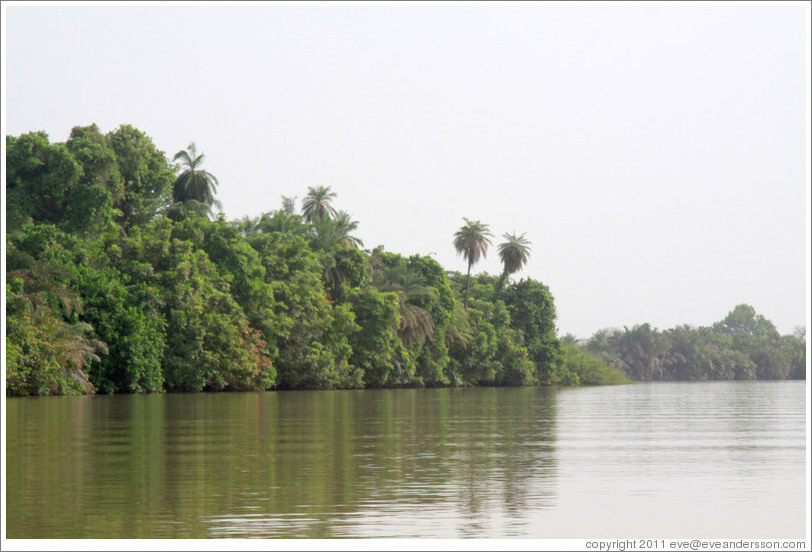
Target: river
{"points": [[662, 460]]}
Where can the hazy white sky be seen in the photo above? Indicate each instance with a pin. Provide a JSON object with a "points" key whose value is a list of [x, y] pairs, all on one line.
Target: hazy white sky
{"points": [[655, 155]]}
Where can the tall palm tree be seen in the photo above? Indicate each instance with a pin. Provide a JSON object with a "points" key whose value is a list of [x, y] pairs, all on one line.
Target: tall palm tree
{"points": [[471, 241], [514, 253], [316, 204], [194, 188]]}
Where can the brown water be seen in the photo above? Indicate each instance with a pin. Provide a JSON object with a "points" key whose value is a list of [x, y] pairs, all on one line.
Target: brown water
{"points": [[723, 460]]}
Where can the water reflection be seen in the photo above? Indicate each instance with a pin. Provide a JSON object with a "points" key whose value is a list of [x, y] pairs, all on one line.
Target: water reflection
{"points": [[712, 460], [395, 463]]}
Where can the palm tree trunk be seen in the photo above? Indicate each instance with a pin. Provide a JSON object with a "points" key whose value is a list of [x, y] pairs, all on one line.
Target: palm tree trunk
{"points": [[467, 282], [500, 283]]}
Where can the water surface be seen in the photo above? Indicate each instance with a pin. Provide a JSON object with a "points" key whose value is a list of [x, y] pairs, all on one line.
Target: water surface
{"points": [[714, 460]]}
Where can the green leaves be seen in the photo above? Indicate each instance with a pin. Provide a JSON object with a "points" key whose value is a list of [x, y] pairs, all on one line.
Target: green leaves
{"points": [[146, 175], [121, 283], [194, 189], [514, 253], [472, 241], [317, 204], [742, 346]]}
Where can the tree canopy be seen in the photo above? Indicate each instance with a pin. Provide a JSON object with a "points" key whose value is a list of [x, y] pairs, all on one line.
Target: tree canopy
{"points": [[119, 280]]}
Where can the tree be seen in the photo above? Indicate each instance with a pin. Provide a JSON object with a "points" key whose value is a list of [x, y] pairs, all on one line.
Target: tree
{"points": [[194, 188], [283, 220], [331, 238], [316, 204], [210, 342], [328, 233], [586, 368], [471, 241], [45, 354], [146, 174], [69, 185], [424, 360], [514, 253], [240, 264], [375, 346], [756, 337], [416, 324], [289, 205], [311, 332], [532, 312]]}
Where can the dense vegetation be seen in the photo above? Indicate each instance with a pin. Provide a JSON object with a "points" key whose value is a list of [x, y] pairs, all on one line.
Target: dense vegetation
{"points": [[742, 346], [121, 279]]}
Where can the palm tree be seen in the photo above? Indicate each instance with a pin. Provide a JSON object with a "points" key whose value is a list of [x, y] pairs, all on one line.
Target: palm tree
{"points": [[514, 254], [329, 236], [343, 226], [283, 220], [194, 188], [329, 233], [289, 205], [316, 204], [416, 323], [247, 225], [471, 241], [71, 345]]}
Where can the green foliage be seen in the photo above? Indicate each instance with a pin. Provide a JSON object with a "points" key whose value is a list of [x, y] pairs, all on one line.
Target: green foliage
{"points": [[343, 268], [312, 333], [146, 175], [375, 346], [742, 346], [120, 283], [795, 350], [425, 302], [755, 336], [194, 189], [581, 366], [532, 313], [240, 265], [86, 182], [45, 184], [317, 204], [472, 241], [210, 344], [135, 337], [492, 353], [514, 253], [45, 355]]}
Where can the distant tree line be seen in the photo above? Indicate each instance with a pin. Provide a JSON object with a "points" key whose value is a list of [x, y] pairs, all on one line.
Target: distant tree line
{"points": [[742, 346], [121, 278]]}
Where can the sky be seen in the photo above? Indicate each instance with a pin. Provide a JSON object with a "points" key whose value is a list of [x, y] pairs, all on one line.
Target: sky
{"points": [[656, 155]]}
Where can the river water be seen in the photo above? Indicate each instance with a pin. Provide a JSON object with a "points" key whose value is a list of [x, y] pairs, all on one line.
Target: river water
{"points": [[665, 460]]}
